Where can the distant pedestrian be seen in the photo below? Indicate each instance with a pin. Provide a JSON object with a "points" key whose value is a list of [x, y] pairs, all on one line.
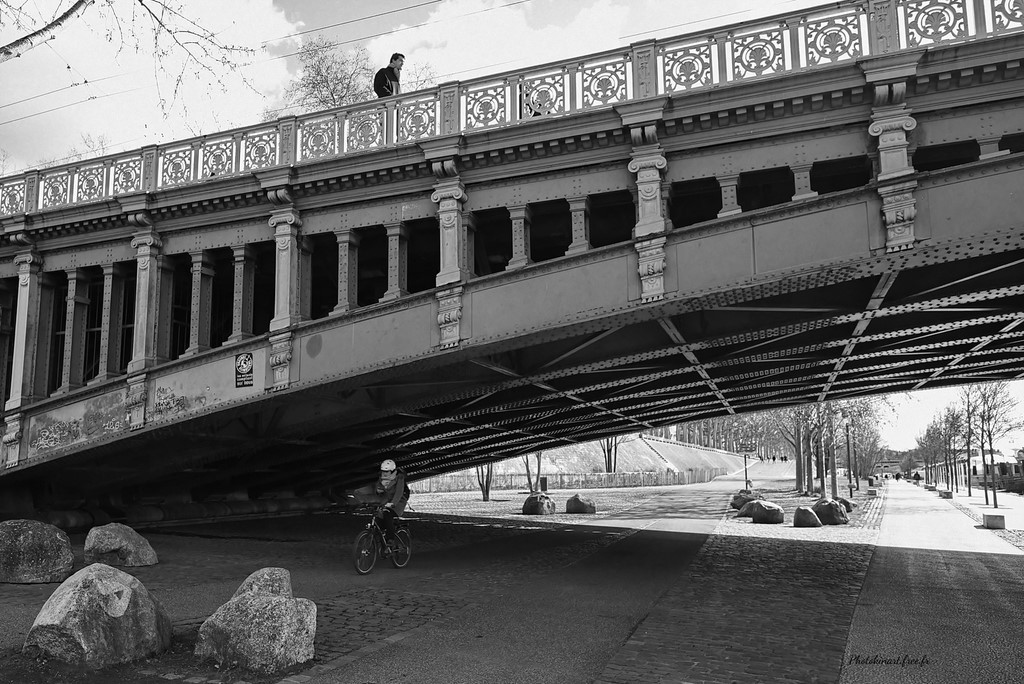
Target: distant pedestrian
{"points": [[773, 459], [386, 81]]}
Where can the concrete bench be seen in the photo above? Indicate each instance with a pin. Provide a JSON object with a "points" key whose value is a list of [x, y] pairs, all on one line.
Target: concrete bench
{"points": [[994, 521], [872, 491], [930, 488], [945, 495]]}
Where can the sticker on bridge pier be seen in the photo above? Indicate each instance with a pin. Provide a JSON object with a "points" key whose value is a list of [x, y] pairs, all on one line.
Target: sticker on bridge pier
{"points": [[243, 370]]}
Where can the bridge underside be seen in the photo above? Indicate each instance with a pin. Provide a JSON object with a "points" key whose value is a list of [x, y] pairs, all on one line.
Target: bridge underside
{"points": [[928, 318]]}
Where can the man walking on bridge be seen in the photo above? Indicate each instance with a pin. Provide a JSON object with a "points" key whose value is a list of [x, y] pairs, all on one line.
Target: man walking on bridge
{"points": [[386, 81]]}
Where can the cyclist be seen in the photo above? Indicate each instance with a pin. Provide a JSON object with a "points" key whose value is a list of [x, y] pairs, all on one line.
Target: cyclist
{"points": [[392, 490]]}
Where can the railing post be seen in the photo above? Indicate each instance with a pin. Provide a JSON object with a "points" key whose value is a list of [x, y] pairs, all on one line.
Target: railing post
{"points": [[883, 27], [149, 168], [32, 179], [287, 133], [449, 122], [644, 62]]}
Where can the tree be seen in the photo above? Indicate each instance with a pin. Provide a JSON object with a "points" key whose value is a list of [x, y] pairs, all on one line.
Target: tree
{"points": [[331, 78], [180, 44], [996, 419], [483, 478], [88, 147], [534, 485]]}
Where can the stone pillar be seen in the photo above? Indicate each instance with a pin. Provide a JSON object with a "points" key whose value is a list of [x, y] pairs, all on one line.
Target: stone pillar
{"points": [[200, 306], [305, 246], [153, 290], [26, 330], [398, 261], [110, 329], [450, 196], [77, 308], [6, 331], [579, 209], [990, 147], [244, 284], [287, 286], [648, 163], [348, 271], [890, 123], [802, 181], [520, 216], [730, 203]]}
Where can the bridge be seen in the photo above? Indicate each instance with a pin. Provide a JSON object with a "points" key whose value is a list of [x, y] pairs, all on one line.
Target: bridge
{"points": [[814, 206]]}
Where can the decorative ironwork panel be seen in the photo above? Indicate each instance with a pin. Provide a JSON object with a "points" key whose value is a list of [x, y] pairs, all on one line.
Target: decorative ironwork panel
{"points": [[487, 106], [833, 39], [366, 130], [127, 176], [318, 138], [934, 21], [12, 198], [56, 189], [543, 95], [417, 119], [218, 158], [260, 149], [90, 184], [758, 54], [1007, 14], [176, 167], [687, 67], [604, 84]]}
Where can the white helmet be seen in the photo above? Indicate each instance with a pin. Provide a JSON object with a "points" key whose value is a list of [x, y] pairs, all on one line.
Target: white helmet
{"points": [[388, 465]]}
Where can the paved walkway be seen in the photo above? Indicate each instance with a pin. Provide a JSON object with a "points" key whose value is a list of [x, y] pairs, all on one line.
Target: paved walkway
{"points": [[667, 588], [941, 602]]}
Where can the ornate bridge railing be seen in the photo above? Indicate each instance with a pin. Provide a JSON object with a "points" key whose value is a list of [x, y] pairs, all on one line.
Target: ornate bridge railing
{"points": [[765, 48]]}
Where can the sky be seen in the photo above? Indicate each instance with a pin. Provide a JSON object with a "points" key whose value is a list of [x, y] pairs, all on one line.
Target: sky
{"points": [[93, 79]]}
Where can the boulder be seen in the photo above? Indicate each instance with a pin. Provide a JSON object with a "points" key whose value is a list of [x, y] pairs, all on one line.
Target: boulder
{"points": [[262, 628], [34, 552], [538, 503], [117, 544], [270, 581], [830, 512], [99, 616], [767, 512], [847, 504], [577, 504], [747, 511], [804, 516], [743, 497]]}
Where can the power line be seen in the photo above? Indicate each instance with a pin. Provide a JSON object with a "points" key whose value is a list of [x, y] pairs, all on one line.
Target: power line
{"points": [[352, 21], [58, 90], [70, 104], [398, 30]]}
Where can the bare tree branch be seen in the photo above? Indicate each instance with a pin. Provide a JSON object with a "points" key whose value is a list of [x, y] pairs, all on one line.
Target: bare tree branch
{"points": [[25, 43]]}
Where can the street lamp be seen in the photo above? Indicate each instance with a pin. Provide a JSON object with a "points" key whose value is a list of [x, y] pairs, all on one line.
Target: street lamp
{"points": [[849, 458]]}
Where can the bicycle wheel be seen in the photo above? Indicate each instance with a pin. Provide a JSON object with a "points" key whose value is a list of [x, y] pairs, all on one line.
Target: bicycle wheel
{"points": [[364, 552], [403, 549]]}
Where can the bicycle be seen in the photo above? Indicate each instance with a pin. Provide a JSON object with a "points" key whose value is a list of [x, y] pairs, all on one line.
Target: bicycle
{"points": [[370, 545]]}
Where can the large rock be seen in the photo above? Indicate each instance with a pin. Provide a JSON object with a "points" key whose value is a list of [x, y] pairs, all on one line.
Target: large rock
{"points": [[847, 504], [747, 511], [33, 552], [262, 628], [271, 581], [830, 512], [767, 512], [743, 497], [538, 503], [117, 544], [577, 504], [99, 616], [804, 516]]}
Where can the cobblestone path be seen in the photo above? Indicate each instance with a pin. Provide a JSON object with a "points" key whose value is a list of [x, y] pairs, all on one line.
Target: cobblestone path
{"points": [[760, 603]]}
